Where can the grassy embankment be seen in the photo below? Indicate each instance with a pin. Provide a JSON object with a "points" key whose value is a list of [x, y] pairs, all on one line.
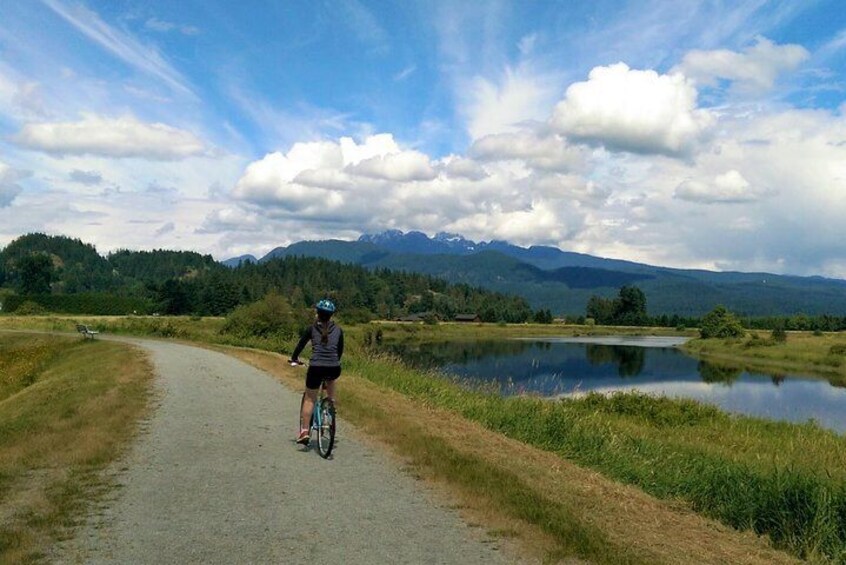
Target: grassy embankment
{"points": [[553, 508], [783, 480], [803, 352], [67, 409]]}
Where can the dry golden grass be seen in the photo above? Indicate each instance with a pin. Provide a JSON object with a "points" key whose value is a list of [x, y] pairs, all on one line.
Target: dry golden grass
{"points": [[59, 431], [629, 524]]}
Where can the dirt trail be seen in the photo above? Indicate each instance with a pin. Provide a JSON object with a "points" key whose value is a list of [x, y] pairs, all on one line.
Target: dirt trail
{"points": [[216, 478]]}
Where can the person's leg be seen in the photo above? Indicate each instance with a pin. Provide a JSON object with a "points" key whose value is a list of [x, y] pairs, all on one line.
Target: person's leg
{"points": [[332, 375], [330, 389], [308, 407]]}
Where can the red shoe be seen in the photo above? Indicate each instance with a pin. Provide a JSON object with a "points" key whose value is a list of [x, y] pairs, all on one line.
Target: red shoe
{"points": [[303, 437]]}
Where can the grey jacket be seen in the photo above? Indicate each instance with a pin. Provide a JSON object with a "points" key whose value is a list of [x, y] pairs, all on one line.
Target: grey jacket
{"points": [[322, 354]]}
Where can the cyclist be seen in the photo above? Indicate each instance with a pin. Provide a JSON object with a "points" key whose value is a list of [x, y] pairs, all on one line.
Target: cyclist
{"points": [[327, 343]]}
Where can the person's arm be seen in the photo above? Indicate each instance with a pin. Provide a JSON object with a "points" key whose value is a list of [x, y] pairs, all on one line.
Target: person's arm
{"points": [[301, 345], [340, 345]]}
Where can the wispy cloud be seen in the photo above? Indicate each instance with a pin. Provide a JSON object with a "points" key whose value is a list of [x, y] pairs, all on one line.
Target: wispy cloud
{"points": [[9, 188], [121, 44], [832, 46], [405, 73], [282, 127], [164, 26], [364, 24], [85, 177], [165, 229]]}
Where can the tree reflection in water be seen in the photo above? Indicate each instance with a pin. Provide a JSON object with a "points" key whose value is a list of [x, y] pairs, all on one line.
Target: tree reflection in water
{"points": [[629, 360], [438, 353], [715, 373]]}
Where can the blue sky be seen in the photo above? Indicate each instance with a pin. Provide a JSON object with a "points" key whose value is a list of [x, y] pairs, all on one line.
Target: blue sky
{"points": [[692, 134]]}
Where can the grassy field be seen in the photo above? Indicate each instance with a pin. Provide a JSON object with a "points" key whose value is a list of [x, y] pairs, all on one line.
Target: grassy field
{"points": [[783, 481], [398, 331], [67, 409], [803, 352]]}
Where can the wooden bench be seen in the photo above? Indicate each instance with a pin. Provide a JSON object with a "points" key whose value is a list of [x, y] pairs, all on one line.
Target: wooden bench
{"points": [[86, 331]]}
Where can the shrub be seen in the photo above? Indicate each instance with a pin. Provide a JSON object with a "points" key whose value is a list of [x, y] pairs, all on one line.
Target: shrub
{"points": [[93, 303], [271, 316], [837, 349], [721, 323], [779, 335], [30, 308], [355, 315], [168, 329]]}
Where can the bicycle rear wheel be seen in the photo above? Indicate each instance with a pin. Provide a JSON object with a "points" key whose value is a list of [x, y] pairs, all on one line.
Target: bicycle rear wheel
{"points": [[326, 430]]}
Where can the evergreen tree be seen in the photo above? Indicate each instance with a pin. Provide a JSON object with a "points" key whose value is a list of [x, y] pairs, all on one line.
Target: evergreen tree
{"points": [[630, 307], [36, 273], [600, 309]]}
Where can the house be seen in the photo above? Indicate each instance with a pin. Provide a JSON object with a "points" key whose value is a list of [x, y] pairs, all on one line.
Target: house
{"points": [[467, 318]]}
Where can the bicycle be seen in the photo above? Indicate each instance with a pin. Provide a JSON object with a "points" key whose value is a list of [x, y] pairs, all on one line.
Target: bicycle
{"points": [[322, 421]]}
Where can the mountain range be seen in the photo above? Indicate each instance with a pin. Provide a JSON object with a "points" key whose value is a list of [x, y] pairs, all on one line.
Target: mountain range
{"points": [[563, 281]]}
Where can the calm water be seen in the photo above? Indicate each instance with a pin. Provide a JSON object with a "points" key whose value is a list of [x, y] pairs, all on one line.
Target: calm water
{"points": [[563, 366]]}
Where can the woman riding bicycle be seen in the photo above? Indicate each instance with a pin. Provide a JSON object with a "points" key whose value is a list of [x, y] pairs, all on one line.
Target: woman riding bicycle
{"points": [[327, 343]]}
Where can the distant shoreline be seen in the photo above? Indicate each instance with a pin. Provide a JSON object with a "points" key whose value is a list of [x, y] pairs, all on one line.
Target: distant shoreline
{"points": [[626, 340]]}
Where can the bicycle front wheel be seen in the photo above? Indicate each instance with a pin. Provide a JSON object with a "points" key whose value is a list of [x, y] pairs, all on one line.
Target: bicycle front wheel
{"points": [[326, 430]]}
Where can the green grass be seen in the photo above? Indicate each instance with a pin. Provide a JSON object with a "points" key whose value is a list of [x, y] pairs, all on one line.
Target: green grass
{"points": [[782, 480], [67, 408], [186, 328], [822, 355], [506, 490], [395, 331]]}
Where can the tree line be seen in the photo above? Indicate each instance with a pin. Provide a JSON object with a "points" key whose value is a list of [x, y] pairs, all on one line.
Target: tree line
{"points": [[38, 266], [67, 275], [629, 308]]}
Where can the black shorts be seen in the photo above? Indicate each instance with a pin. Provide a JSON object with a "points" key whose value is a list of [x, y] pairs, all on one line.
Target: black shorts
{"points": [[316, 375]]}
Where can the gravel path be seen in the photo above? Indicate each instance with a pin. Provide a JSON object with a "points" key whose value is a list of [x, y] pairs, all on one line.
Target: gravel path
{"points": [[216, 478]]}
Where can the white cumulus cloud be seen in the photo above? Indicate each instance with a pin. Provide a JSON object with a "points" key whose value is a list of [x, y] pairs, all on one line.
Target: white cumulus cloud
{"points": [[111, 137], [462, 167], [317, 174], [755, 69], [230, 219], [403, 166], [633, 110], [374, 184], [729, 187], [550, 152]]}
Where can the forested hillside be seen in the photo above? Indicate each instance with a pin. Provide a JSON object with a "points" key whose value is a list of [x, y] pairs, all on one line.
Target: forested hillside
{"points": [[564, 281], [38, 263], [67, 275]]}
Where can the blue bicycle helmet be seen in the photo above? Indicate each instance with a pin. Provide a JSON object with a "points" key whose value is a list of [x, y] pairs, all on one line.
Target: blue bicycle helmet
{"points": [[326, 305]]}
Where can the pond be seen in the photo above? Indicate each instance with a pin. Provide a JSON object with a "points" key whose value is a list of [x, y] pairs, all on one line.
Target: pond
{"points": [[571, 366]]}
